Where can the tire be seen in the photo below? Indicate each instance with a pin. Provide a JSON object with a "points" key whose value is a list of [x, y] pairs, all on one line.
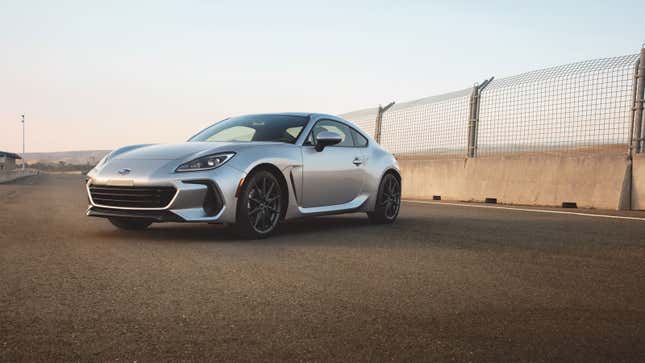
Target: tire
{"points": [[260, 206], [388, 201], [130, 224]]}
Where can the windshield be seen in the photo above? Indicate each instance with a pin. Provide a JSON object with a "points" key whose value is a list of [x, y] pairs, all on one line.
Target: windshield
{"points": [[277, 128]]}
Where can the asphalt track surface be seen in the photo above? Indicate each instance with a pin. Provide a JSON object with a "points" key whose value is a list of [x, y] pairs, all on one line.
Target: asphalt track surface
{"points": [[445, 283]]}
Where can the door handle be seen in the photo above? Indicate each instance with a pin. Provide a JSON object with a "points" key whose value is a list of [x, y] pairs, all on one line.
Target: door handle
{"points": [[357, 161]]}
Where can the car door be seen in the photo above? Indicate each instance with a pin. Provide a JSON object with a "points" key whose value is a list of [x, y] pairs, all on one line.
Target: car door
{"points": [[334, 175]]}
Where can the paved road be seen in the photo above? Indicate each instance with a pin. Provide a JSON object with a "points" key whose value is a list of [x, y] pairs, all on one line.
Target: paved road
{"points": [[444, 283]]}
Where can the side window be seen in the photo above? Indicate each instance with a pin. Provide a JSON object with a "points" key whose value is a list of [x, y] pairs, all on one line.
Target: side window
{"points": [[294, 131], [359, 140], [335, 127]]}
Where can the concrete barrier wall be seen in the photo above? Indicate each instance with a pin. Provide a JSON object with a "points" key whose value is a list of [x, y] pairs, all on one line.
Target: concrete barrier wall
{"points": [[7, 176], [638, 182], [590, 180]]}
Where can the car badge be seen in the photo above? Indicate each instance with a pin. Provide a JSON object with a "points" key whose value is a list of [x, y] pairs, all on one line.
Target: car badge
{"points": [[124, 171]]}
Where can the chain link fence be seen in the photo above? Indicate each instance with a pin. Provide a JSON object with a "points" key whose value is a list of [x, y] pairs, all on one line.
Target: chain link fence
{"points": [[585, 106], [435, 122], [365, 119], [571, 107]]}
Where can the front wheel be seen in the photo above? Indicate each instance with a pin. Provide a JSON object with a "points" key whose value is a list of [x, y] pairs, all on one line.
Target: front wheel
{"points": [[130, 224], [388, 201], [259, 208]]}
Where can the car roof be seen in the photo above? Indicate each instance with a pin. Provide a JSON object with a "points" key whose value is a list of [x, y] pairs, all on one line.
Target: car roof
{"points": [[312, 115], [301, 114]]}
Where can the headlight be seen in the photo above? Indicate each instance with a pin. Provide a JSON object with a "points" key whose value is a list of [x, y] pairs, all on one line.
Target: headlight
{"points": [[205, 162]]}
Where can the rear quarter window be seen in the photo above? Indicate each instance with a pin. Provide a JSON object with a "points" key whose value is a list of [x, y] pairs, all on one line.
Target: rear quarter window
{"points": [[359, 140]]}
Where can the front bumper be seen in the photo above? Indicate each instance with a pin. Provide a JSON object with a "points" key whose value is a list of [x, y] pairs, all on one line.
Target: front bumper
{"points": [[207, 196], [154, 216]]}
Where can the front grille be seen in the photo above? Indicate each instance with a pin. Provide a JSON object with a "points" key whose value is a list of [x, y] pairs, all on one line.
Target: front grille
{"points": [[131, 197]]}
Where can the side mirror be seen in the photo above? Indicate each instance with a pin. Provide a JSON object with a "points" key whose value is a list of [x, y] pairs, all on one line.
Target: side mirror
{"points": [[327, 138]]}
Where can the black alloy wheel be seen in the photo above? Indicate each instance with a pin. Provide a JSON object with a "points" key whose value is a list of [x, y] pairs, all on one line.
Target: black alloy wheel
{"points": [[388, 202], [260, 205]]}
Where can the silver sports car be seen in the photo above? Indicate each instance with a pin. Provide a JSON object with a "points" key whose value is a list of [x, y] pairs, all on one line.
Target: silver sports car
{"points": [[249, 171]]}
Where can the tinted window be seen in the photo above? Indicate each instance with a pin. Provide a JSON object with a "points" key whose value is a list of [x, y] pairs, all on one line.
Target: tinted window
{"points": [[235, 133], [359, 140], [278, 128], [335, 127]]}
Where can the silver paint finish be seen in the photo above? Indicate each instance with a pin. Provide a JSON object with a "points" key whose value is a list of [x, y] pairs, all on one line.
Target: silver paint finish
{"points": [[335, 180], [330, 177]]}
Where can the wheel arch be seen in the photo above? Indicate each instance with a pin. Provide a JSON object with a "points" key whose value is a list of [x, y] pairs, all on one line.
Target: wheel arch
{"points": [[387, 171], [393, 171], [377, 214], [376, 188], [273, 169]]}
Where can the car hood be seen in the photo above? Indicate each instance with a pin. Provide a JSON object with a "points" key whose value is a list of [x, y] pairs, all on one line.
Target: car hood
{"points": [[175, 151], [150, 161]]}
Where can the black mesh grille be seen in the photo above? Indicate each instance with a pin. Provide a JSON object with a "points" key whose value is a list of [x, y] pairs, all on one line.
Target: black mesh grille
{"points": [[132, 197]]}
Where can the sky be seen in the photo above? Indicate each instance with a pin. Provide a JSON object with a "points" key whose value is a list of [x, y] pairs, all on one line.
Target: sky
{"points": [[104, 74]]}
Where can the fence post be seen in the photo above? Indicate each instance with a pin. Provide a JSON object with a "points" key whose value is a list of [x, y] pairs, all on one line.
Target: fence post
{"points": [[379, 121], [639, 104], [632, 111], [473, 116], [472, 122], [625, 199], [635, 130]]}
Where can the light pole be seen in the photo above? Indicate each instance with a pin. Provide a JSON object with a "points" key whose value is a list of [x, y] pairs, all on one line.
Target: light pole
{"points": [[23, 141]]}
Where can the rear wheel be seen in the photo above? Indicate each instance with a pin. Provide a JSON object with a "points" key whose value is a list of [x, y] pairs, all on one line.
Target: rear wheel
{"points": [[259, 208], [388, 201], [130, 224]]}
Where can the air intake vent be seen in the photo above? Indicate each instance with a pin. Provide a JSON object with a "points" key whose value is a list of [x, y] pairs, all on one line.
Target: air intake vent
{"points": [[131, 197]]}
